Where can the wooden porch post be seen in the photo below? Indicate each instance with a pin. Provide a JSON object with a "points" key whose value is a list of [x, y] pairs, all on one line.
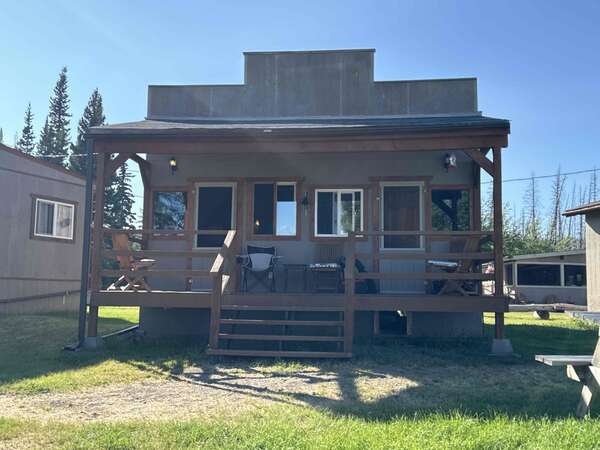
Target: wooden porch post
{"points": [[498, 248], [97, 241], [349, 287]]}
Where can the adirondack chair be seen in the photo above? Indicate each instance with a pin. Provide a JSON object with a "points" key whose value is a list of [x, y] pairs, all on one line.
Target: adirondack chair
{"points": [[135, 278], [464, 265]]}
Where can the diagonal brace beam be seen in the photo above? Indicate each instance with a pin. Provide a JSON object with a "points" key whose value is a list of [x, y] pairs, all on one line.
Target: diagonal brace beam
{"points": [[481, 160]]}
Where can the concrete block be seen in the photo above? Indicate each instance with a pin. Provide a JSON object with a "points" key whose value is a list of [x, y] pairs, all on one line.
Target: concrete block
{"points": [[93, 343], [502, 347]]}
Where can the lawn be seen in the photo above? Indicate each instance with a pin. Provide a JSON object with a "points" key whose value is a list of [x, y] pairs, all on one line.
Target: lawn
{"points": [[402, 394]]}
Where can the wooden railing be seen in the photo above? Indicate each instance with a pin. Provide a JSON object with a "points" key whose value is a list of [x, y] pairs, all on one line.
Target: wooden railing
{"points": [[400, 254], [187, 273]]}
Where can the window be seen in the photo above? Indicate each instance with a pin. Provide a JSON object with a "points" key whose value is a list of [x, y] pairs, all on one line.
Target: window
{"points": [[215, 214], [574, 275], [402, 211], [54, 219], [538, 274], [451, 210], [338, 211], [168, 210], [508, 274], [275, 209]]}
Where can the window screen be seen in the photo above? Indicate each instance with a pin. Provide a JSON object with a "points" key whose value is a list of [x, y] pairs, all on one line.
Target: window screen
{"points": [[338, 212], [574, 275], [263, 208], [44, 221], [401, 212], [168, 210], [215, 205], [53, 219], [538, 274]]}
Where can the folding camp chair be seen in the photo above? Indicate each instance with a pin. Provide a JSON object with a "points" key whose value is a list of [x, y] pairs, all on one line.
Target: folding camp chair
{"points": [[134, 279], [464, 265], [259, 263]]}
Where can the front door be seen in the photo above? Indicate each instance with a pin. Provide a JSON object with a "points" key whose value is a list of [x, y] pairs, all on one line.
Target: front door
{"points": [[215, 207]]}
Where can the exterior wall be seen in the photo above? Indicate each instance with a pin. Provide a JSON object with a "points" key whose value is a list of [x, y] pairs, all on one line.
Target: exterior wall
{"points": [[317, 170], [423, 324], [592, 248], [33, 267], [67, 301], [321, 83]]}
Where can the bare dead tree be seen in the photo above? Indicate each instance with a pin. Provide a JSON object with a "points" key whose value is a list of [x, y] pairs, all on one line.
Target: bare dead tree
{"points": [[555, 228]]}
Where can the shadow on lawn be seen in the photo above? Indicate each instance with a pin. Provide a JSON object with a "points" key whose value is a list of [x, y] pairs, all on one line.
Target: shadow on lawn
{"points": [[431, 376], [418, 376]]}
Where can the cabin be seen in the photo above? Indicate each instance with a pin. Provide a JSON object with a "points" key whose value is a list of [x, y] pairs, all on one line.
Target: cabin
{"points": [[591, 211], [555, 277], [307, 208], [41, 237]]}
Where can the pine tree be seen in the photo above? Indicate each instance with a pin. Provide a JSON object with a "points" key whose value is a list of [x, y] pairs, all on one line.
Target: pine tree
{"points": [[1, 136], [44, 146], [93, 115], [58, 119], [26, 142], [118, 209]]}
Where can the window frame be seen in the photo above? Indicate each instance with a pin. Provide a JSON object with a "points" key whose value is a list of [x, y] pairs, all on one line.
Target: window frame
{"points": [[561, 271], [234, 195], [291, 181], [55, 201], [339, 191], [421, 186], [176, 235]]}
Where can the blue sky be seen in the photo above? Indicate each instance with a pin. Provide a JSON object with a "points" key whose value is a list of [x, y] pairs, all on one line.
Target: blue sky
{"points": [[537, 61]]}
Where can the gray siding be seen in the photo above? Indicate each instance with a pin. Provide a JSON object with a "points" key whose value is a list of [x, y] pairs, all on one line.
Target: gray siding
{"points": [[30, 267], [592, 248], [300, 84]]}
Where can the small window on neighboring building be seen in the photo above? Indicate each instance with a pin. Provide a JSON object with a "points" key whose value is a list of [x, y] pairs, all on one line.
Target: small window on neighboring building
{"points": [[338, 211], [538, 274], [451, 210], [275, 208], [54, 219], [168, 210], [574, 275], [508, 274]]}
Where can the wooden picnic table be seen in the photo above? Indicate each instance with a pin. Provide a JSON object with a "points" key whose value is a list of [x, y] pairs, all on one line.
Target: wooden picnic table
{"points": [[584, 369]]}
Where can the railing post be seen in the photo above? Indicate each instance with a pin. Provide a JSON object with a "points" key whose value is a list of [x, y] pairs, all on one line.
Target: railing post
{"points": [[215, 310], [349, 290], [498, 253]]}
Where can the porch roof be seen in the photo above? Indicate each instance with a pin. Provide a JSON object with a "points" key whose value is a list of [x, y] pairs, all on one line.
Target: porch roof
{"points": [[320, 126]]}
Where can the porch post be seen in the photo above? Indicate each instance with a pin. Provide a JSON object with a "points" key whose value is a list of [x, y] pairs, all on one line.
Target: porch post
{"points": [[97, 242], [501, 345]]}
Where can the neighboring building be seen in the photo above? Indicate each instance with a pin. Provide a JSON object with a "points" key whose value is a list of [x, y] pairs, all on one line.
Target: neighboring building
{"points": [[558, 277], [40, 234], [310, 155], [592, 250]]}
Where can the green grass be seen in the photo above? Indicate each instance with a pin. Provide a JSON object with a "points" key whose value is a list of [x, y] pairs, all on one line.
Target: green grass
{"points": [[462, 398]]}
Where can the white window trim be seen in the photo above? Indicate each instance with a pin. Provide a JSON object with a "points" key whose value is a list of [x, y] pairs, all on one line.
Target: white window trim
{"points": [[71, 206], [562, 274], [339, 206], [232, 185], [421, 186]]}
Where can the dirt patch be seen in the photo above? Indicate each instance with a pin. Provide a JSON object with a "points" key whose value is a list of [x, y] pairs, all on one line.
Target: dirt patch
{"points": [[196, 393]]}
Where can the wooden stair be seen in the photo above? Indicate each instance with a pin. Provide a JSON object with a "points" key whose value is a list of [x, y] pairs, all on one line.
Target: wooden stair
{"points": [[277, 331]]}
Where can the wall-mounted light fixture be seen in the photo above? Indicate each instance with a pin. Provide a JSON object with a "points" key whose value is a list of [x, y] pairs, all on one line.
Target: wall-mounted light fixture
{"points": [[450, 161], [305, 203], [173, 165]]}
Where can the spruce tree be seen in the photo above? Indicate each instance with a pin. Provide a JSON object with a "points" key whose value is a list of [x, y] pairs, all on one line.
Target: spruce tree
{"points": [[93, 115], [58, 119], [1, 136], [118, 211], [44, 146], [26, 142]]}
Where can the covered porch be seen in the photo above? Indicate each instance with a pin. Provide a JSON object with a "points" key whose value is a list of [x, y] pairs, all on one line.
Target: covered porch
{"points": [[191, 274]]}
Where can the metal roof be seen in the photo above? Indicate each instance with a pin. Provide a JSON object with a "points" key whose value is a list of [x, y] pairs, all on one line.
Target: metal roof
{"points": [[583, 209], [545, 255], [300, 126]]}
